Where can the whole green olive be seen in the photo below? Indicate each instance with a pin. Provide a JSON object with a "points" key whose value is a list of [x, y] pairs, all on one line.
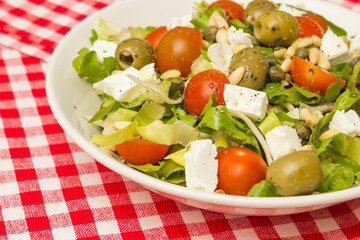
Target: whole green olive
{"points": [[255, 64], [276, 74], [255, 9], [276, 28], [296, 173], [134, 52]]}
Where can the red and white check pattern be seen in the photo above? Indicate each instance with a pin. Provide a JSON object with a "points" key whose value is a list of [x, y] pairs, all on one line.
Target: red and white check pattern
{"points": [[51, 189]]}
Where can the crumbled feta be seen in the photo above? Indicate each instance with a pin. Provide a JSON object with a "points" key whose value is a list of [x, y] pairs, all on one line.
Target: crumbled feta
{"points": [[201, 166], [220, 55], [103, 49], [247, 101], [334, 48], [122, 88], [293, 11], [183, 21], [282, 138], [346, 122], [355, 42], [238, 37]]}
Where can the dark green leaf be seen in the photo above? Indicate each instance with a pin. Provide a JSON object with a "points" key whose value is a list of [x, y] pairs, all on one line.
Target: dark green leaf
{"points": [[263, 189]]}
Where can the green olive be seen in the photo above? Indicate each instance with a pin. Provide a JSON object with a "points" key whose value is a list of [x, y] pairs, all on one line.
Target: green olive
{"points": [[302, 53], [210, 34], [276, 28], [255, 65], [296, 173], [302, 130], [255, 9], [276, 74], [134, 52]]}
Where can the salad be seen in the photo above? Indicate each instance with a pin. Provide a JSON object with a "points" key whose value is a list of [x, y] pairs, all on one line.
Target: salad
{"points": [[259, 99]]}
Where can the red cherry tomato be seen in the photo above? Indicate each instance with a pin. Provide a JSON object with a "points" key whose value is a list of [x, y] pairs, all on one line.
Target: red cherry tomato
{"points": [[310, 77], [140, 151], [154, 36], [177, 49], [201, 86], [309, 27], [239, 170], [317, 19], [231, 9]]}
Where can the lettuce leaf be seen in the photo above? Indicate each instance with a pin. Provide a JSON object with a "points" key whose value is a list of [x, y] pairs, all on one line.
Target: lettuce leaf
{"points": [[149, 112], [122, 135], [201, 21], [263, 189]]}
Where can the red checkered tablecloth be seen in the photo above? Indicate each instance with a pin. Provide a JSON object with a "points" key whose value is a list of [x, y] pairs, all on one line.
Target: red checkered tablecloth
{"points": [[51, 189]]}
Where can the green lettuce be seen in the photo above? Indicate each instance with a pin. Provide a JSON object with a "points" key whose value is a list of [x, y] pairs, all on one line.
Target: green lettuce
{"points": [[149, 112], [263, 189]]}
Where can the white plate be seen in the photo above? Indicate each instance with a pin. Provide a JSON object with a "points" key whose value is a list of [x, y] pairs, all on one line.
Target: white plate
{"points": [[69, 97]]}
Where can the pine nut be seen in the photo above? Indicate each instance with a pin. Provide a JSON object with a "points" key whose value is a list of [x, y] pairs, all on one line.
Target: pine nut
{"points": [[307, 148], [236, 76], [310, 119], [328, 134], [286, 151], [286, 65], [111, 148], [238, 48], [211, 21], [295, 44], [219, 191], [314, 55], [221, 36], [279, 53], [173, 73], [308, 41], [217, 20], [316, 40], [323, 61], [290, 52]]}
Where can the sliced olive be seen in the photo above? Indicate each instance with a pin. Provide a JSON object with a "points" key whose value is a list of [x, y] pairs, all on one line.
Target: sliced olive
{"points": [[296, 173], [255, 65], [255, 9], [276, 28], [134, 52]]}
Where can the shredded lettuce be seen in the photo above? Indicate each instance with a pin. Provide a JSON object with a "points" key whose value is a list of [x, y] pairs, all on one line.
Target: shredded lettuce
{"points": [[149, 113], [271, 121], [120, 136]]}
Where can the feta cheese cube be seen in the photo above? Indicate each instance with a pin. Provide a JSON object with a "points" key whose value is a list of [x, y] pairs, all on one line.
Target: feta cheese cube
{"points": [[220, 55], [282, 138], [104, 49], [334, 48], [122, 88], [238, 37], [201, 166], [346, 122], [355, 42], [247, 101], [293, 11]]}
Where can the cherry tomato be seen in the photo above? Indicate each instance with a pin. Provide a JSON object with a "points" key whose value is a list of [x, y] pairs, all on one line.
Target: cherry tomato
{"points": [[239, 170], [140, 151], [309, 27], [201, 86], [154, 36], [317, 19], [310, 77], [231, 9], [177, 49]]}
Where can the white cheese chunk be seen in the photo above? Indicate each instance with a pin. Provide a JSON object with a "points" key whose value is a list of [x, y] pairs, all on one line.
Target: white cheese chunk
{"points": [[201, 166], [103, 49], [183, 21], [122, 88], [355, 42], [282, 138], [247, 101], [346, 122], [334, 48], [238, 37], [220, 55], [293, 11]]}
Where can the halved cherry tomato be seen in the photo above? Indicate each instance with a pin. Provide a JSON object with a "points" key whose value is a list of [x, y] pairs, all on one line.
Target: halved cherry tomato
{"points": [[140, 151], [310, 77], [154, 36], [177, 49], [309, 27], [231, 9], [239, 170], [317, 19], [201, 86]]}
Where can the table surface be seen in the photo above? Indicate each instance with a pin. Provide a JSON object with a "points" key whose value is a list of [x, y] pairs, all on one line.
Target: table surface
{"points": [[51, 189]]}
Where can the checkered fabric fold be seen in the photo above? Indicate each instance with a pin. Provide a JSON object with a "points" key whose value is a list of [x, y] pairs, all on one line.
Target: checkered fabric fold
{"points": [[51, 189]]}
